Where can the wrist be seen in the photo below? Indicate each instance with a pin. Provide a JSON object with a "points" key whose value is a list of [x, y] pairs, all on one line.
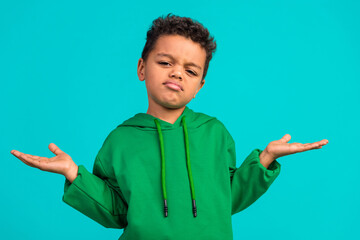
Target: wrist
{"points": [[266, 159], [72, 173]]}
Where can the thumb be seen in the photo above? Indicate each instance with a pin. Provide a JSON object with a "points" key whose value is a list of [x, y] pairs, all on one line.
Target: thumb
{"points": [[55, 149], [286, 138]]}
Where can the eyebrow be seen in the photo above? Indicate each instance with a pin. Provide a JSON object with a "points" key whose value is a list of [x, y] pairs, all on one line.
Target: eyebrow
{"points": [[171, 57]]}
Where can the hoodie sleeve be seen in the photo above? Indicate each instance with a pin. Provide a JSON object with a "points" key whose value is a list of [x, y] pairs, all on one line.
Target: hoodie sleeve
{"points": [[250, 180], [93, 195]]}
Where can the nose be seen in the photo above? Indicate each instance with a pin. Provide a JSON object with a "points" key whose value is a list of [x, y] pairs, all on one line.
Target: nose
{"points": [[176, 73]]}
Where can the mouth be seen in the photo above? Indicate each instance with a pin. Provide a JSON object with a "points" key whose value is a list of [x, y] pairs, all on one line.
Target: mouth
{"points": [[173, 85]]}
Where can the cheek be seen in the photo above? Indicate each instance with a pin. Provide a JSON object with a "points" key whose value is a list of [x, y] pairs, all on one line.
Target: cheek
{"points": [[195, 86], [156, 72]]}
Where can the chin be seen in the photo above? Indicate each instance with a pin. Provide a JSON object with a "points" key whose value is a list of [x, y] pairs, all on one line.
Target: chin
{"points": [[173, 106], [170, 104]]}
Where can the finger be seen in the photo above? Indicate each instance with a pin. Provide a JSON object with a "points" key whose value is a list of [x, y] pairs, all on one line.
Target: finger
{"points": [[315, 145], [16, 153], [286, 138], [20, 156], [38, 162], [320, 143], [324, 141], [32, 157], [28, 160], [36, 158], [55, 149], [299, 147]]}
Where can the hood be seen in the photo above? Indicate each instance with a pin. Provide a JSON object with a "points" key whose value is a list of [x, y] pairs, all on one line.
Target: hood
{"points": [[187, 120], [146, 121]]}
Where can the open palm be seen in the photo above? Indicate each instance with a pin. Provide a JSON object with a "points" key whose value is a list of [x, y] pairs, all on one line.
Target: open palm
{"points": [[61, 163], [281, 147]]}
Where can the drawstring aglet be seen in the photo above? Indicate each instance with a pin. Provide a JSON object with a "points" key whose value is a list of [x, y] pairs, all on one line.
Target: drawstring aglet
{"points": [[165, 208], [194, 208]]}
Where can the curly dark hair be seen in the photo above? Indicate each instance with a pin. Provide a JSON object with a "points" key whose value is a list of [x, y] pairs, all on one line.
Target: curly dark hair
{"points": [[183, 26]]}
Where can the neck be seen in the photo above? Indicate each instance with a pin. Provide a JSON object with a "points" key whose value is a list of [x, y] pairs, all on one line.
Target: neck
{"points": [[169, 115]]}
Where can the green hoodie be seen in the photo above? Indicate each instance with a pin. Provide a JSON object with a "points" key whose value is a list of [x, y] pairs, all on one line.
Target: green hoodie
{"points": [[158, 180]]}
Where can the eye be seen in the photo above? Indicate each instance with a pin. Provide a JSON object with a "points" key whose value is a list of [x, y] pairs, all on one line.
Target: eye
{"points": [[191, 72], [163, 63]]}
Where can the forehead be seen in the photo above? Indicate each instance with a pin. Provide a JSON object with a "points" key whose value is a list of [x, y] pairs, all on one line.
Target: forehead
{"points": [[181, 48]]}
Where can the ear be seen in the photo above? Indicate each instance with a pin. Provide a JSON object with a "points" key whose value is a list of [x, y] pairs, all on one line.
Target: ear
{"points": [[202, 83], [141, 69]]}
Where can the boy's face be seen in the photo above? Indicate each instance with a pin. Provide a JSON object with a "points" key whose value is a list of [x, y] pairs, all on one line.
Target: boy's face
{"points": [[174, 59]]}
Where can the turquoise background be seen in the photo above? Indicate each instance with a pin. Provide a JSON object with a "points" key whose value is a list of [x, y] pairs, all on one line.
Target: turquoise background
{"points": [[68, 76]]}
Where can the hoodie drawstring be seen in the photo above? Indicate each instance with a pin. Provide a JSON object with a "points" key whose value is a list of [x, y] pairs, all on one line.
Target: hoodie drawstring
{"points": [[187, 164]]}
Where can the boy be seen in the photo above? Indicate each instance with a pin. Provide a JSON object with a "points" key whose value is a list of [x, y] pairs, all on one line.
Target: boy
{"points": [[149, 168]]}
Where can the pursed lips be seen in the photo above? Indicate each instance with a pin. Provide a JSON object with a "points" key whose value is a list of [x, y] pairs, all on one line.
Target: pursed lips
{"points": [[176, 83]]}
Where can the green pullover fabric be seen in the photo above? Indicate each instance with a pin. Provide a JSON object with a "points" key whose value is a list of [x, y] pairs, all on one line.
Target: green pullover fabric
{"points": [[158, 180]]}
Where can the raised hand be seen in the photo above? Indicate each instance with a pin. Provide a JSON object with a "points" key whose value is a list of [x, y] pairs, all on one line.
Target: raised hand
{"points": [[280, 148], [62, 163]]}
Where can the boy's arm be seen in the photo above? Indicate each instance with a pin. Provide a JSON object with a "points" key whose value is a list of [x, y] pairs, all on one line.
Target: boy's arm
{"points": [[93, 195], [250, 180]]}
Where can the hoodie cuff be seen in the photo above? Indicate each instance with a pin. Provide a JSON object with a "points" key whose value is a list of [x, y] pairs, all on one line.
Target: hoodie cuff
{"points": [[68, 186]]}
